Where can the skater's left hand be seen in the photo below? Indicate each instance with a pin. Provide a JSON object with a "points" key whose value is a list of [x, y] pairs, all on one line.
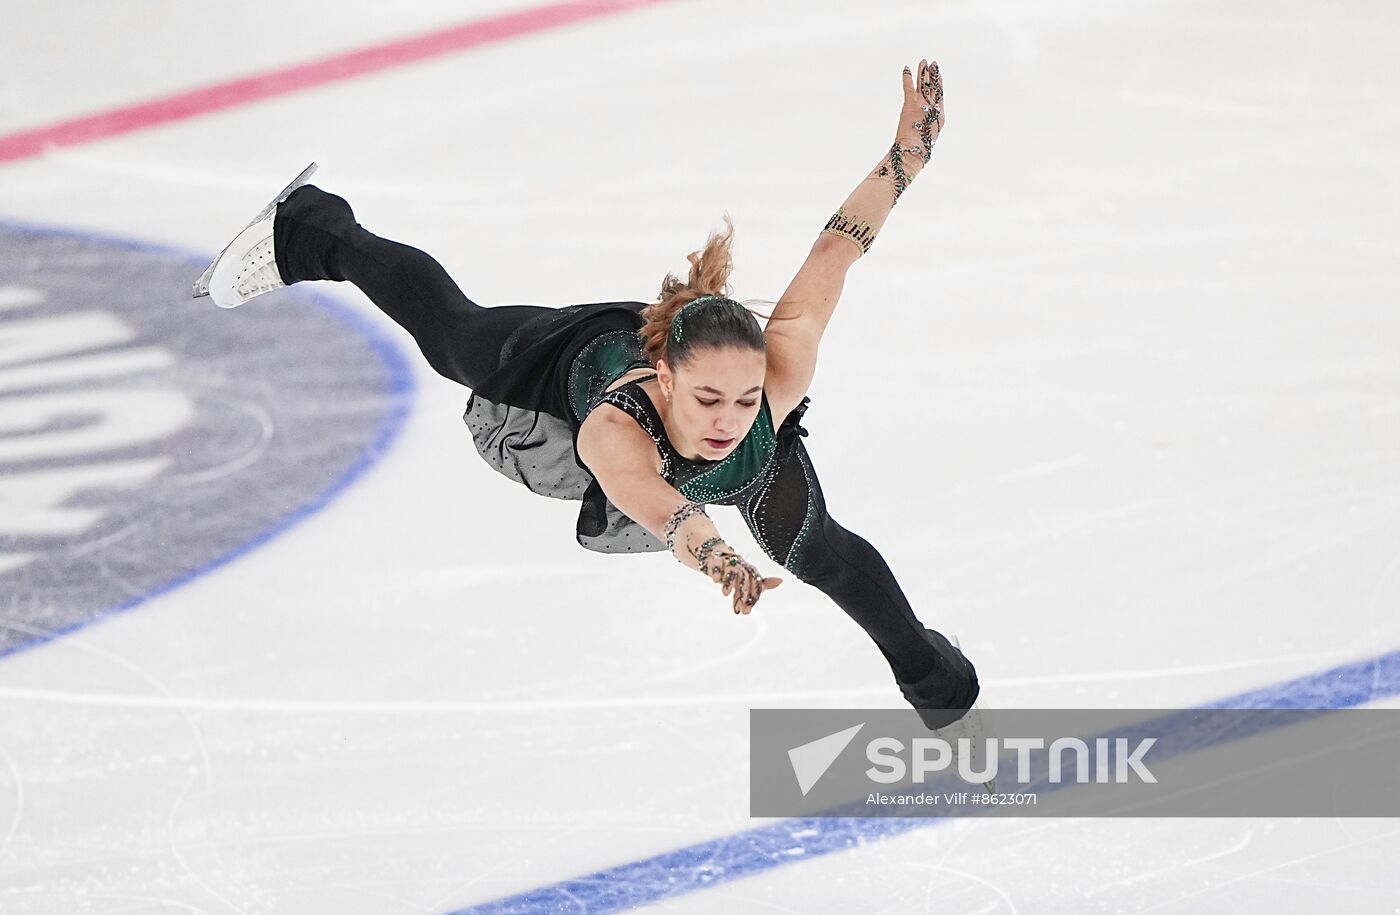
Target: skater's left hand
{"points": [[921, 118]]}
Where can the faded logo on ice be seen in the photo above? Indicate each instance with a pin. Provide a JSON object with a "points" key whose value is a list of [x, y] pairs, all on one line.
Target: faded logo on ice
{"points": [[146, 437]]}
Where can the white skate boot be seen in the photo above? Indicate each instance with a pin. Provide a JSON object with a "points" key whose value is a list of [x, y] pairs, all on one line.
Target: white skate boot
{"points": [[247, 266], [972, 727]]}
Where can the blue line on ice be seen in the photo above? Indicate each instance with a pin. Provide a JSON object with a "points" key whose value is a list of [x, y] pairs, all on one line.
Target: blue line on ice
{"points": [[753, 851]]}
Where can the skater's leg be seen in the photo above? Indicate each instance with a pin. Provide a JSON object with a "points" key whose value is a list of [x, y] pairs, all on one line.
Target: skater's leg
{"points": [[790, 520], [930, 670], [316, 237]]}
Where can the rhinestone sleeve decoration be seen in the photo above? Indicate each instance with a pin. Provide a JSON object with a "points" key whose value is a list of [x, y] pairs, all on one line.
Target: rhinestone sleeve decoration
{"points": [[891, 168], [678, 517], [849, 227]]}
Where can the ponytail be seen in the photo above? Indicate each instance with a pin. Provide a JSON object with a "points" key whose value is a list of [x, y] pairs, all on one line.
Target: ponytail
{"points": [[718, 321]]}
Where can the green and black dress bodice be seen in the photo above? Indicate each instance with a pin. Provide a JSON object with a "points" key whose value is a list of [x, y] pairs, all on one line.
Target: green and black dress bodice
{"points": [[525, 417], [720, 482]]}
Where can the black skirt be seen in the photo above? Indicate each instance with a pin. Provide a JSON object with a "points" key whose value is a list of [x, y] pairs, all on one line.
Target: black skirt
{"points": [[525, 416]]}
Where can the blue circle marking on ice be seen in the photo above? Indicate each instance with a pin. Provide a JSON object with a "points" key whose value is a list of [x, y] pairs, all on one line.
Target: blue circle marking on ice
{"points": [[147, 438]]}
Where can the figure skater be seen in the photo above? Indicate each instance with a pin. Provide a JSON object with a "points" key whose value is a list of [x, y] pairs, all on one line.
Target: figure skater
{"points": [[648, 412]]}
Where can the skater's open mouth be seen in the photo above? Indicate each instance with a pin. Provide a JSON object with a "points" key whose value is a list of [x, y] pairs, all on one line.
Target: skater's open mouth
{"points": [[719, 443]]}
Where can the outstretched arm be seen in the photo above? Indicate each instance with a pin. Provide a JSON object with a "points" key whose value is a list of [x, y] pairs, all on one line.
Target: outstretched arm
{"points": [[623, 460], [801, 316]]}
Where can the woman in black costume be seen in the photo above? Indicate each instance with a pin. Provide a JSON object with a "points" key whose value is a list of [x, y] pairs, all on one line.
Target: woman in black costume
{"points": [[648, 412]]}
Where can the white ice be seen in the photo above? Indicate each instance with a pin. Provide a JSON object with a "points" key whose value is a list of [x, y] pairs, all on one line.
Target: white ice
{"points": [[1116, 393]]}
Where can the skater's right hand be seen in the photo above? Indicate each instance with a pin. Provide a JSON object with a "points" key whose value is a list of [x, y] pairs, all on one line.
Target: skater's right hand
{"points": [[740, 580], [698, 545]]}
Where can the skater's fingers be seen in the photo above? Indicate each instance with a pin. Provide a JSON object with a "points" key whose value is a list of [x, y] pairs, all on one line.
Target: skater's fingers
{"points": [[935, 80], [744, 591]]}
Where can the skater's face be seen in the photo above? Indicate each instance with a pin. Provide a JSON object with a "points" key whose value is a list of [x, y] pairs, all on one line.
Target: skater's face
{"points": [[715, 397]]}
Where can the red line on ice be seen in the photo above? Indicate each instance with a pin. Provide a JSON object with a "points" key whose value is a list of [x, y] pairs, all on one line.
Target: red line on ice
{"points": [[194, 102]]}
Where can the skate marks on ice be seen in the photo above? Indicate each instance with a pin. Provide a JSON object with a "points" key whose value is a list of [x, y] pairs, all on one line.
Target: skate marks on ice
{"points": [[718, 861], [146, 438]]}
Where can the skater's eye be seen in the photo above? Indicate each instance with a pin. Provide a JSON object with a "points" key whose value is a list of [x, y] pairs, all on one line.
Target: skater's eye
{"points": [[742, 403]]}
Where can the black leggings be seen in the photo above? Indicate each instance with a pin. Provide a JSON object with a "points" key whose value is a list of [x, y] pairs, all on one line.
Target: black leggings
{"points": [[790, 520], [316, 237]]}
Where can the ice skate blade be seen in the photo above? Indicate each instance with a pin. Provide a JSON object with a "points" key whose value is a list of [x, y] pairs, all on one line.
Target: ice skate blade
{"points": [[973, 725], [201, 285]]}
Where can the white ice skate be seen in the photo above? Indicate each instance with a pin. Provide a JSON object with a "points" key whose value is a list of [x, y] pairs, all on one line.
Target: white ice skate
{"points": [[972, 727], [247, 266]]}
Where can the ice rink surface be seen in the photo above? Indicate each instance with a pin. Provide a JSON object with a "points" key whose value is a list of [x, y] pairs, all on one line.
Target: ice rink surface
{"points": [[1116, 393]]}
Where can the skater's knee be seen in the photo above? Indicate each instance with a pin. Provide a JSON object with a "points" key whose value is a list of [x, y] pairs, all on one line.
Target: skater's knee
{"points": [[826, 552]]}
